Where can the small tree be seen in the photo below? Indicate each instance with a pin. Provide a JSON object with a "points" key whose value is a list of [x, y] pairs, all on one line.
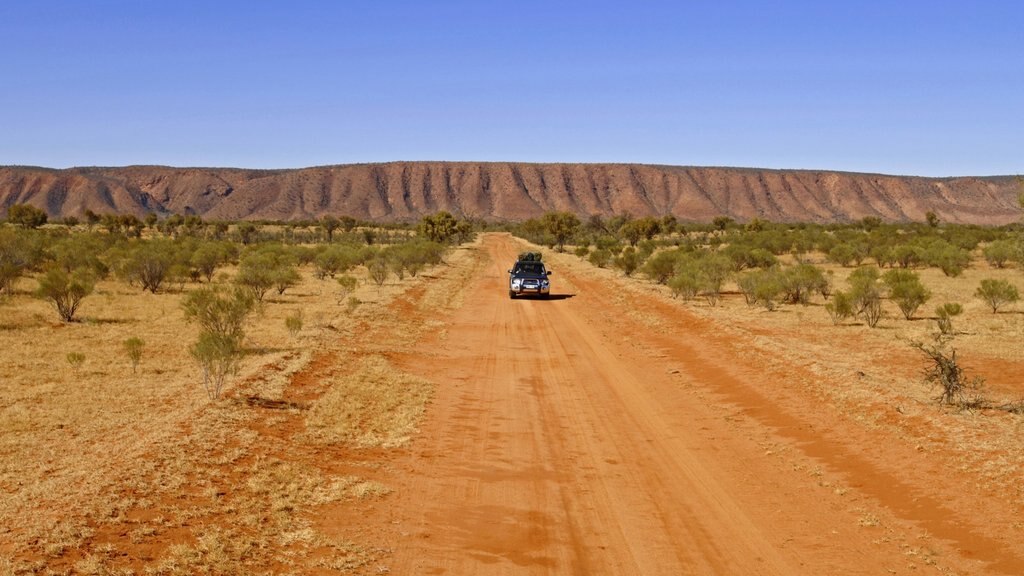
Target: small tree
{"points": [[906, 290], [133, 347], [65, 290], [329, 225], [561, 226], [997, 293], [999, 253], [26, 216], [219, 311]]}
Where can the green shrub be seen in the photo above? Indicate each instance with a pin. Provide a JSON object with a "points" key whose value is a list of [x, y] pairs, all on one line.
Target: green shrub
{"points": [[133, 347], [219, 311], [75, 360], [65, 290], [378, 270], [218, 357], [906, 290], [26, 216], [293, 323], [798, 282], [945, 315], [997, 293], [347, 284], [840, 307], [600, 258], [866, 294], [628, 261], [1000, 252], [761, 287]]}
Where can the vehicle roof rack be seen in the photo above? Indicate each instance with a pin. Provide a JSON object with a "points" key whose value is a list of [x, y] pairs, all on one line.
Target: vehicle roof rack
{"points": [[530, 257]]}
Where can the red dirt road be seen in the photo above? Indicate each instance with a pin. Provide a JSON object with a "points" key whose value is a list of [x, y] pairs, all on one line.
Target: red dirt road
{"points": [[595, 433]]}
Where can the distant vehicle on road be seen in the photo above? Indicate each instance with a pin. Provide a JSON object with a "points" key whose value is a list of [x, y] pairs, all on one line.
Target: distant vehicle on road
{"points": [[529, 276]]}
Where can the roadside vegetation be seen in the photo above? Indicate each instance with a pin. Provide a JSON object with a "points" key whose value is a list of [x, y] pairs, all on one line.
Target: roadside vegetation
{"points": [[148, 376], [920, 279]]}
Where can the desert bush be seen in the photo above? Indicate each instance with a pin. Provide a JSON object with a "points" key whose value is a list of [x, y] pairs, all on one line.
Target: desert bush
{"points": [[80, 251], [439, 227], [997, 293], [133, 348], [906, 290], [207, 257], [906, 255], [26, 216], [662, 266], [347, 284], [632, 231], [629, 261], [998, 253], [293, 323], [329, 224], [75, 360], [268, 267], [950, 259], [20, 251], [840, 307], [219, 311], [65, 290], [582, 251], [600, 257], [945, 314], [561, 226], [352, 303], [378, 270], [218, 357], [150, 263], [334, 260], [744, 256], [866, 294], [842, 254], [685, 281], [798, 282], [761, 287]]}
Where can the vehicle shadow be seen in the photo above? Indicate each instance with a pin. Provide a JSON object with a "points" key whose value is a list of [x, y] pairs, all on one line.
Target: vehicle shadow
{"points": [[541, 298]]}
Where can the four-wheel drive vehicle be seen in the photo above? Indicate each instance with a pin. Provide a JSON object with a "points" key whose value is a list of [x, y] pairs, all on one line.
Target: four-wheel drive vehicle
{"points": [[528, 276]]}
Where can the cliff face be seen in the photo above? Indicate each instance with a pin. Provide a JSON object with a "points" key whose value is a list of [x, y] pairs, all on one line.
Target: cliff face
{"points": [[509, 191]]}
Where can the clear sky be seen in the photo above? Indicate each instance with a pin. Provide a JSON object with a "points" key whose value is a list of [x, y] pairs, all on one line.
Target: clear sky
{"points": [[930, 88]]}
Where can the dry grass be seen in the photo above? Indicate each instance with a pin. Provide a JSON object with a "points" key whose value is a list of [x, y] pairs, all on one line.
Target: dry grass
{"points": [[376, 406], [103, 471]]}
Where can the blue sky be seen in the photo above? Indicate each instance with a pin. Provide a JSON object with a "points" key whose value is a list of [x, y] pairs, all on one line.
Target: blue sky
{"points": [[926, 88]]}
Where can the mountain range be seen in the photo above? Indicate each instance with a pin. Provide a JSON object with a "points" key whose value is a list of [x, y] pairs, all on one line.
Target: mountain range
{"points": [[509, 191]]}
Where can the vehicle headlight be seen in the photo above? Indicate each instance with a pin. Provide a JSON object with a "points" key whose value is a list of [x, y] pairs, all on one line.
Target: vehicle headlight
{"points": [[544, 282], [516, 282]]}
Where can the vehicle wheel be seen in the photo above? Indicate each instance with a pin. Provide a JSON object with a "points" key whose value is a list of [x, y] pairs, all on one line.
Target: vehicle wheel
{"points": [[511, 294]]}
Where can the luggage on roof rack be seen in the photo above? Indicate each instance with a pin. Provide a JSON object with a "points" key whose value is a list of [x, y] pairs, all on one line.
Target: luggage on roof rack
{"points": [[530, 257]]}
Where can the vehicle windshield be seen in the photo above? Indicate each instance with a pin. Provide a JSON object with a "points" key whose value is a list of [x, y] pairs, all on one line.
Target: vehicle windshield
{"points": [[530, 268]]}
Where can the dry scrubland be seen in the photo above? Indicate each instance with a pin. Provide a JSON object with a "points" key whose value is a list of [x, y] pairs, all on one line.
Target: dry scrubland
{"points": [[104, 470], [107, 471]]}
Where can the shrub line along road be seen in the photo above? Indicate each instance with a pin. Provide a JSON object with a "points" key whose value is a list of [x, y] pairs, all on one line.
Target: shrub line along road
{"points": [[599, 433]]}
